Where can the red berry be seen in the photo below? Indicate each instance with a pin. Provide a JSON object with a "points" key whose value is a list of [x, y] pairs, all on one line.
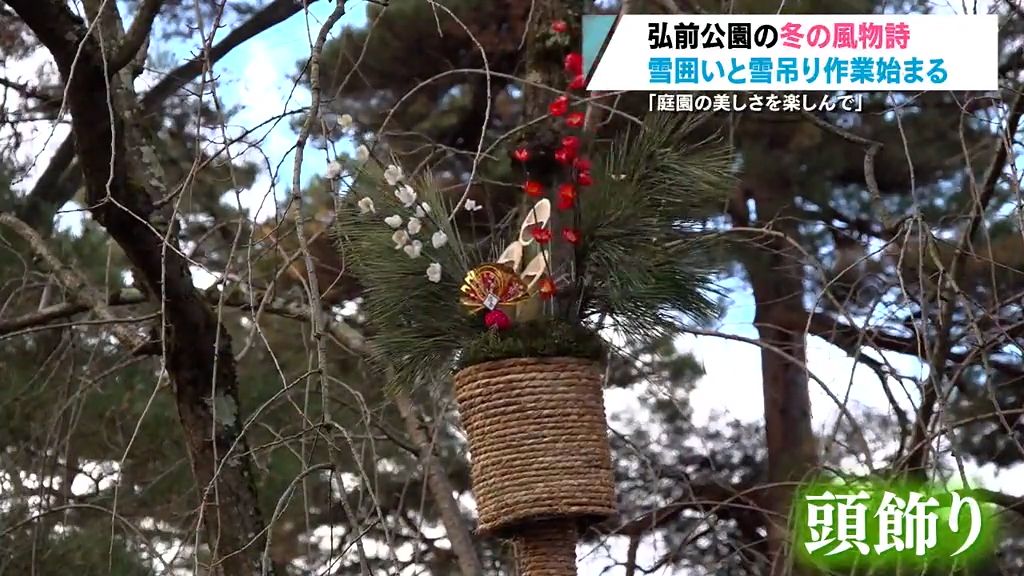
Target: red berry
{"points": [[521, 154], [571, 235], [582, 164], [574, 120], [497, 320], [574, 63], [571, 142], [547, 288], [541, 234], [584, 179], [566, 196], [533, 188], [559, 27], [564, 155], [579, 82], [559, 107]]}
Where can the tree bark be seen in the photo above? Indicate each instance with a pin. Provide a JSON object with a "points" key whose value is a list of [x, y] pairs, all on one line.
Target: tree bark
{"points": [[121, 182], [441, 488], [776, 275]]}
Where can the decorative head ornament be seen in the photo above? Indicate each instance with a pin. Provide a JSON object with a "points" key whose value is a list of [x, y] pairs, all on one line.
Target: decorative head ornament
{"points": [[504, 283]]}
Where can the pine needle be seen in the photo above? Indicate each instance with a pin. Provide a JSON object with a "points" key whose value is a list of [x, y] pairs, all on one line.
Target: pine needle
{"points": [[646, 265]]}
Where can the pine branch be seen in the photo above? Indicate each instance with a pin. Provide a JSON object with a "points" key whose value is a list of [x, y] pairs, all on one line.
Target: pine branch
{"points": [[646, 261], [643, 262]]}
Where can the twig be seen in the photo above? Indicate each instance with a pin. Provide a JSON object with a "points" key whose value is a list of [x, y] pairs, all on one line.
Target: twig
{"points": [[81, 291], [312, 285]]}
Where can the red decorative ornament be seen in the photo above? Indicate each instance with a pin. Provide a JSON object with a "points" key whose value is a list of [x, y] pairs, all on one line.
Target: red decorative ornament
{"points": [[559, 27], [559, 107], [533, 188], [579, 82], [565, 155], [584, 179], [574, 120], [497, 320], [547, 288], [572, 142], [582, 164], [571, 235], [541, 234], [566, 196], [521, 154], [574, 63]]}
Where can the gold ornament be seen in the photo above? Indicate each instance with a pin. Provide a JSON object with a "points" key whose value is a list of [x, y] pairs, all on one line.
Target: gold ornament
{"points": [[492, 285]]}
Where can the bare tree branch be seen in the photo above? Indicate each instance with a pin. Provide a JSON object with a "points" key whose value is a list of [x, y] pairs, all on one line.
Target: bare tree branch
{"points": [[137, 35], [64, 309], [86, 296], [197, 348], [272, 14], [57, 184], [917, 458]]}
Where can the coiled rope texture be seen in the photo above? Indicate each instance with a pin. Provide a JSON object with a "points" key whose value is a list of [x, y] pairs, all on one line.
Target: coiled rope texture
{"points": [[539, 451], [546, 549]]}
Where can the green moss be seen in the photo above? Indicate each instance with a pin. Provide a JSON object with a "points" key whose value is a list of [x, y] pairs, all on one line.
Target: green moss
{"points": [[535, 339]]}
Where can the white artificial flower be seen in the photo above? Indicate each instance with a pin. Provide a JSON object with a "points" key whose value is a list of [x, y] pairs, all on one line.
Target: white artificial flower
{"points": [[434, 272], [345, 121], [394, 221], [406, 195], [471, 205], [413, 249], [393, 174], [366, 206], [333, 170], [618, 177], [362, 153], [414, 226], [422, 210], [439, 239], [400, 238]]}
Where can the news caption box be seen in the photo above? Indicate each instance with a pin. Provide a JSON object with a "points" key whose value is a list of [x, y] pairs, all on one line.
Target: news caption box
{"points": [[863, 53]]}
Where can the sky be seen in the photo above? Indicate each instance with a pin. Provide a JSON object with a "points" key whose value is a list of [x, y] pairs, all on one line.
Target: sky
{"points": [[256, 76]]}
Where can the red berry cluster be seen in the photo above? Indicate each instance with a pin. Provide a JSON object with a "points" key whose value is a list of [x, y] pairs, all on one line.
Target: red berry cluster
{"points": [[566, 154]]}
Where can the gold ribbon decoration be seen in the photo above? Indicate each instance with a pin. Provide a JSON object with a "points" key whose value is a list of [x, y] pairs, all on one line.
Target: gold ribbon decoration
{"points": [[492, 285]]}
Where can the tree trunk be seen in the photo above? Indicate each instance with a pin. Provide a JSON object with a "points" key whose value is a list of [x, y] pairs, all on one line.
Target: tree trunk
{"points": [[776, 276], [442, 491], [122, 178]]}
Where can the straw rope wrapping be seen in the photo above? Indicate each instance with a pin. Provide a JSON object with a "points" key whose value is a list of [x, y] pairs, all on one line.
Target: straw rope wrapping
{"points": [[537, 440], [546, 549]]}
